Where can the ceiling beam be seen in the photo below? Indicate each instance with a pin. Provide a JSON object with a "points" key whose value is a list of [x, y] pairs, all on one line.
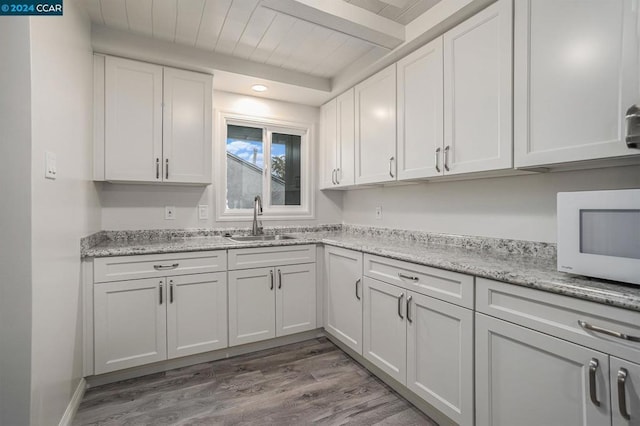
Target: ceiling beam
{"points": [[343, 17], [120, 43]]}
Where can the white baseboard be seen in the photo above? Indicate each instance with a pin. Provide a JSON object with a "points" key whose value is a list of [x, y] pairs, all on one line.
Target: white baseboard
{"points": [[72, 408]]}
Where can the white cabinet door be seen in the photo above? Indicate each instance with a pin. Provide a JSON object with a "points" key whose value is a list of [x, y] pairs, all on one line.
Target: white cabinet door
{"points": [[196, 314], [295, 298], [524, 377], [343, 275], [129, 323], [440, 355], [478, 92], [345, 164], [186, 121], [133, 120], [385, 337], [329, 141], [375, 105], [252, 307], [625, 392], [576, 73], [420, 112]]}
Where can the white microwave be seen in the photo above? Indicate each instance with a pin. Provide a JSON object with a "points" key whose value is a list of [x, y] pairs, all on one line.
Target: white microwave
{"points": [[599, 234]]}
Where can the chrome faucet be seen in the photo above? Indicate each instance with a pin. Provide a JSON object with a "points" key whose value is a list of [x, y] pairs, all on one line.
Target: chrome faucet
{"points": [[257, 211]]}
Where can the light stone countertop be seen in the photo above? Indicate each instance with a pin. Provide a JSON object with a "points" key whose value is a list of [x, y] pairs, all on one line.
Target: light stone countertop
{"points": [[529, 265]]}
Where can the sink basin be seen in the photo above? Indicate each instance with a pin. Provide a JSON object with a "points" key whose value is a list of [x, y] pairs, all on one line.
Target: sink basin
{"points": [[244, 238]]}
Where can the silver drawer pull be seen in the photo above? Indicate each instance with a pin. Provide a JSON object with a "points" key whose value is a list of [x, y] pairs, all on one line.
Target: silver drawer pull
{"points": [[408, 277], [622, 393], [593, 392], [400, 305], [408, 306], [617, 334], [165, 267]]}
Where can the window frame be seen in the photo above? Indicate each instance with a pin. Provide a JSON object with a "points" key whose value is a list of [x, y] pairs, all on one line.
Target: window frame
{"points": [[305, 210]]}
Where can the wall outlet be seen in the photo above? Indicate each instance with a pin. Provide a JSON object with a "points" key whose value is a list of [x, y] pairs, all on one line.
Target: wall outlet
{"points": [[379, 212], [50, 166], [169, 212], [203, 212]]}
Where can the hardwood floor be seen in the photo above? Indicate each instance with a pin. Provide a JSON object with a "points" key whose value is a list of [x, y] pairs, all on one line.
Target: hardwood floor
{"points": [[311, 382]]}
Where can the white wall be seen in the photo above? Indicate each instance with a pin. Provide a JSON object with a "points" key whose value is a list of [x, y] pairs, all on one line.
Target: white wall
{"points": [[15, 223], [142, 206], [63, 210], [518, 207]]}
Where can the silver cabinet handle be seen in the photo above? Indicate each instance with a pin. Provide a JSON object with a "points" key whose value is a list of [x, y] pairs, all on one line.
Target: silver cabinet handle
{"points": [[271, 274], [408, 277], [622, 393], [333, 176], [593, 392], [157, 168], [438, 160], [170, 291], [632, 119], [409, 299], [337, 179], [166, 169], [357, 282], [617, 334], [400, 305], [446, 158], [160, 288], [165, 267], [390, 165], [279, 279]]}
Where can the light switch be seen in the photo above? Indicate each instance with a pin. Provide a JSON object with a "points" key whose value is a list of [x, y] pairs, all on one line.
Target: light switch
{"points": [[169, 212], [203, 212], [50, 168]]}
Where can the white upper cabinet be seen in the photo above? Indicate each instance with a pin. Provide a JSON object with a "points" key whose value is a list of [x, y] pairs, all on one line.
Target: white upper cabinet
{"points": [[133, 120], [157, 123], [345, 173], [478, 92], [187, 126], [329, 140], [576, 74], [338, 141], [375, 106], [420, 112]]}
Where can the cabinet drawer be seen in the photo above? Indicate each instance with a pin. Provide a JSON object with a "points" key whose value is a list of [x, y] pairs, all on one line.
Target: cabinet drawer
{"points": [[158, 265], [271, 256], [559, 315], [449, 286]]}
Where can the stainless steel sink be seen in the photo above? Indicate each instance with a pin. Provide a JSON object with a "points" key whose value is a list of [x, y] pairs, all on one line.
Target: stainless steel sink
{"points": [[245, 238]]}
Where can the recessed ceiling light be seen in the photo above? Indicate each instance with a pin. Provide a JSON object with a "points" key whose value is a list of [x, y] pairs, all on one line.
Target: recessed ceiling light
{"points": [[259, 88]]}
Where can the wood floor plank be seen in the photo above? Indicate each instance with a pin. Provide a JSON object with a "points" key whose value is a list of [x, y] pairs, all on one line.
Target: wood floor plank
{"points": [[311, 382]]}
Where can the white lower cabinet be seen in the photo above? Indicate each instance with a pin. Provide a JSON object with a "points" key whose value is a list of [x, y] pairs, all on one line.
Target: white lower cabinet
{"points": [[543, 358], [196, 314], [343, 315], [271, 302], [524, 377], [141, 321], [424, 343]]}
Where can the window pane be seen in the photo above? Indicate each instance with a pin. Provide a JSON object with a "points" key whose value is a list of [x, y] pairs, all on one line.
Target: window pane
{"points": [[245, 165], [285, 169]]}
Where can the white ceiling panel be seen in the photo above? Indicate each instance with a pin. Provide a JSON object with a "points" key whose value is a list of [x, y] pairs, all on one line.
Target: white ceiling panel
{"points": [[401, 11], [164, 14], [272, 38], [211, 22], [259, 24], [114, 13], [188, 17], [235, 24], [139, 16]]}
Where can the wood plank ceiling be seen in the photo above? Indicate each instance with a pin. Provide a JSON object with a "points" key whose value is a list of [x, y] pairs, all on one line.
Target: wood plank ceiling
{"points": [[244, 29]]}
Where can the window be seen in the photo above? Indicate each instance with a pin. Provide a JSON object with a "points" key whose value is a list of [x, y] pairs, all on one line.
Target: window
{"points": [[269, 159]]}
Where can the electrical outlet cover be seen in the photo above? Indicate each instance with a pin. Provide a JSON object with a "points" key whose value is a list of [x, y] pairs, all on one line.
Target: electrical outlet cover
{"points": [[169, 212], [379, 212], [203, 212]]}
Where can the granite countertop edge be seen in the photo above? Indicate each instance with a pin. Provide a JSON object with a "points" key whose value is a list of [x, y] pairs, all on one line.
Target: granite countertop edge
{"points": [[522, 270]]}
